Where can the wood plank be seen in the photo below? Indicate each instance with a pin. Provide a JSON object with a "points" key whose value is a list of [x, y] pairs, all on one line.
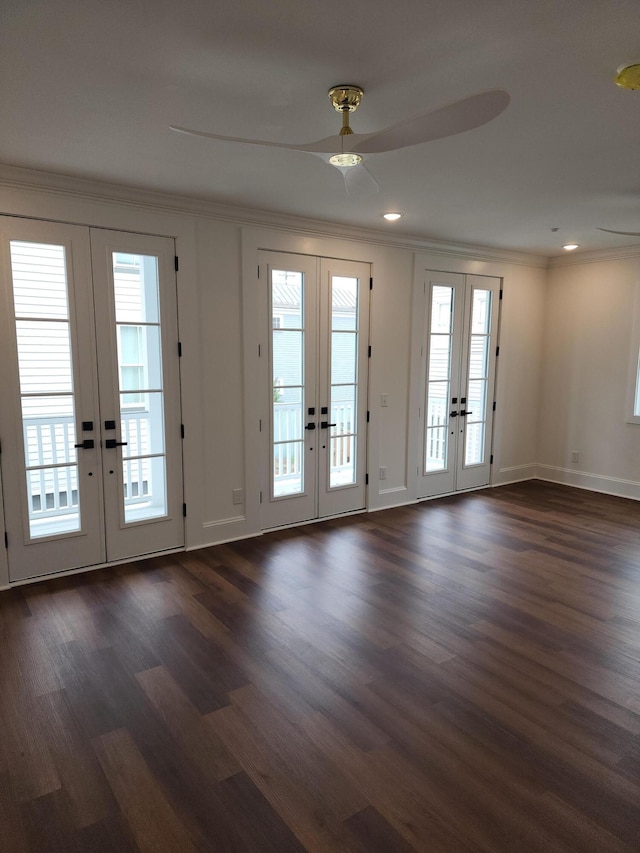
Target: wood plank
{"points": [[149, 815]]}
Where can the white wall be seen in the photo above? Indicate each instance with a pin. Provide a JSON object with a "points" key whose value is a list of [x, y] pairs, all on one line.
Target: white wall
{"points": [[217, 250], [589, 316]]}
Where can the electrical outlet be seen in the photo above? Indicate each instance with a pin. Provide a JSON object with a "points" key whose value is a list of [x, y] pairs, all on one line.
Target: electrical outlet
{"points": [[383, 472], [575, 456], [238, 496], [384, 399]]}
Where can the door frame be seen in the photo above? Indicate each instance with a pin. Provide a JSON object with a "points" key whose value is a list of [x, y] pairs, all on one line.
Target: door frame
{"points": [[253, 240], [77, 240], [425, 263], [319, 499]]}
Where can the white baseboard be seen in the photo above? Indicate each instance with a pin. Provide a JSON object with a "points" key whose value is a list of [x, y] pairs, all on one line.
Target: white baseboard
{"points": [[514, 474], [592, 482]]}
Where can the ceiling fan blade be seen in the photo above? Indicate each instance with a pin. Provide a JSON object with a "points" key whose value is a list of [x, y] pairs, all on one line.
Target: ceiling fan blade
{"points": [[358, 181], [623, 233], [328, 145], [458, 117]]}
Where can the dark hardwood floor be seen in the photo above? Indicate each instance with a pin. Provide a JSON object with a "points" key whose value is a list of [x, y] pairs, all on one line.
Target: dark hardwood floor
{"points": [[458, 675]]}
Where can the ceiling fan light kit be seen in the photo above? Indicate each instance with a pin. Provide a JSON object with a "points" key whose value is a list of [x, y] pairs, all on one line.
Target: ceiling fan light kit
{"points": [[347, 158]]}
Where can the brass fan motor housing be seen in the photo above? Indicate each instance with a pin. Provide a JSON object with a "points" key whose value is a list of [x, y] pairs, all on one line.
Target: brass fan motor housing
{"points": [[628, 77], [346, 97]]}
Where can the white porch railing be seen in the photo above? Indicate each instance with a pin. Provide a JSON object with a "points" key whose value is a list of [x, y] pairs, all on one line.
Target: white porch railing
{"points": [[52, 478], [288, 447]]}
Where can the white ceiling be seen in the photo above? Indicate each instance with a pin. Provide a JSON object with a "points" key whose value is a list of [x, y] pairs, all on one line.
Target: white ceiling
{"points": [[90, 88]]}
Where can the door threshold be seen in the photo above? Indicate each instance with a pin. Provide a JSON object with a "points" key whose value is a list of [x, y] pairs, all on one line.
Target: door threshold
{"points": [[84, 569], [313, 520]]}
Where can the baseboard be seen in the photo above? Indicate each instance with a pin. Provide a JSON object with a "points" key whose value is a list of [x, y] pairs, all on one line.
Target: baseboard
{"points": [[514, 474], [591, 482]]}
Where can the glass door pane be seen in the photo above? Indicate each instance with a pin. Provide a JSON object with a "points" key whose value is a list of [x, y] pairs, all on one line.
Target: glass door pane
{"points": [[438, 378], [343, 390], [477, 378], [287, 373], [140, 385], [45, 368]]}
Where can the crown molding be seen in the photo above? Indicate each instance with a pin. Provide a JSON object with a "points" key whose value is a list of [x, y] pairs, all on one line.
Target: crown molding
{"points": [[595, 256], [16, 177]]}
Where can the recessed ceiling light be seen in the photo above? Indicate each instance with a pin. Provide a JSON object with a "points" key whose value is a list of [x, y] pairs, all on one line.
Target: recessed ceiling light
{"points": [[391, 217], [569, 247]]}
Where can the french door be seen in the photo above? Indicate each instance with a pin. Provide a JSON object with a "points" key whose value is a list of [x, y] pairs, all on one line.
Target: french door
{"points": [[315, 315], [459, 359], [90, 416]]}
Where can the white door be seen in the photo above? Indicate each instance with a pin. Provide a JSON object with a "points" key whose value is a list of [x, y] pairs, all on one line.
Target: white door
{"points": [[90, 422], [315, 314], [459, 358]]}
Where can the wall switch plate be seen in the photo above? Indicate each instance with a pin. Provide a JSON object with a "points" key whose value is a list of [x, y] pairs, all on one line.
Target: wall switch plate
{"points": [[238, 496], [384, 399], [575, 456], [383, 472]]}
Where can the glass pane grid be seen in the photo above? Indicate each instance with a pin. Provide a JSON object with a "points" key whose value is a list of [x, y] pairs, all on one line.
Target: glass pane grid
{"points": [[45, 372], [343, 391], [140, 380], [287, 369]]}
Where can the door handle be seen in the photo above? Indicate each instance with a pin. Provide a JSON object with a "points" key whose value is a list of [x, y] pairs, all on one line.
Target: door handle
{"points": [[111, 443], [310, 426], [87, 444], [463, 413], [453, 414], [326, 425]]}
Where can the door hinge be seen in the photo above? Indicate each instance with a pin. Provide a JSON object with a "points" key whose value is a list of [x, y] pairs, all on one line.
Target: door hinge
{"points": [[259, 351], [497, 351], [500, 293], [179, 349], [258, 270], [184, 510], [491, 460], [6, 541], [494, 405], [260, 497], [368, 416], [176, 263], [260, 425], [181, 430], [369, 352], [371, 283], [366, 479]]}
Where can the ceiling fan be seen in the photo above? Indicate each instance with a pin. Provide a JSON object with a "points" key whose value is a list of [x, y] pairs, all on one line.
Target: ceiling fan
{"points": [[347, 150], [623, 233]]}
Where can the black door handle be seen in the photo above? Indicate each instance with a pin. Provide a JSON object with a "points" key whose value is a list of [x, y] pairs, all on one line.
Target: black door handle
{"points": [[326, 425], [463, 414], [111, 443], [87, 444], [310, 426], [453, 414]]}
